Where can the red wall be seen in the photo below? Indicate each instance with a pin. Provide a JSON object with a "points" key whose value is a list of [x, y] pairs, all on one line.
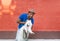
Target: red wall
{"points": [[47, 17]]}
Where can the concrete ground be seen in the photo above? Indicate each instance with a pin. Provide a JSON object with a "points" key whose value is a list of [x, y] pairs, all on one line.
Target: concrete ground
{"points": [[32, 40]]}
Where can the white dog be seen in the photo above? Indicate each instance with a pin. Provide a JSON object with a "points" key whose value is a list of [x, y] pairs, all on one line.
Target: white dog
{"points": [[23, 32]]}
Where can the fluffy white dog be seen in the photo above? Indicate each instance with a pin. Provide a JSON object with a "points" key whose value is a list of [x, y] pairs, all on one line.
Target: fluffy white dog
{"points": [[23, 32]]}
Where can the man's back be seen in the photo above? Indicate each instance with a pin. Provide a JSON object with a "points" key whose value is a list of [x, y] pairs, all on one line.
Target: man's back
{"points": [[23, 17]]}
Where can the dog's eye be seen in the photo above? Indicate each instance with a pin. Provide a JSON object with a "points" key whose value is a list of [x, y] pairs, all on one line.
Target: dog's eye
{"points": [[27, 25]]}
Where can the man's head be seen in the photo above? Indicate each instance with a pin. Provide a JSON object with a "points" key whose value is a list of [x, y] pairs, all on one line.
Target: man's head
{"points": [[31, 13]]}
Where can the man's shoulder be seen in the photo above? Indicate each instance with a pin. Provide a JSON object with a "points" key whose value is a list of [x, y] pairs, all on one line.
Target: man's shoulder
{"points": [[23, 15]]}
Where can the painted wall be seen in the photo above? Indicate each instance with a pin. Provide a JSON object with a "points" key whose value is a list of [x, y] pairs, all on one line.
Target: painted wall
{"points": [[47, 17]]}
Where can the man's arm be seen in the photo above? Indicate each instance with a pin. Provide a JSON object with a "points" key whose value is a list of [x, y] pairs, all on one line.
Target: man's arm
{"points": [[20, 22]]}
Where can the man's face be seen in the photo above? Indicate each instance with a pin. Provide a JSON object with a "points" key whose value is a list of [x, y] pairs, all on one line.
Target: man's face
{"points": [[30, 15]]}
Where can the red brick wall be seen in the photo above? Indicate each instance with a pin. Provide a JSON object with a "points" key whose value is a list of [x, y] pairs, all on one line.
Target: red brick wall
{"points": [[47, 17]]}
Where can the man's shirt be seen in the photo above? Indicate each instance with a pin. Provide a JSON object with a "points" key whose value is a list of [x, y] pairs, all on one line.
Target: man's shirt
{"points": [[23, 17]]}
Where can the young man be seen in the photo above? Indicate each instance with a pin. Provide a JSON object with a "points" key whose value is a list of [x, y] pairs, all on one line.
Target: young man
{"points": [[25, 22]]}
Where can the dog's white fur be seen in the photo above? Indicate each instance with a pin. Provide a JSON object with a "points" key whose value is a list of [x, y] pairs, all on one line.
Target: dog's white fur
{"points": [[27, 28]]}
